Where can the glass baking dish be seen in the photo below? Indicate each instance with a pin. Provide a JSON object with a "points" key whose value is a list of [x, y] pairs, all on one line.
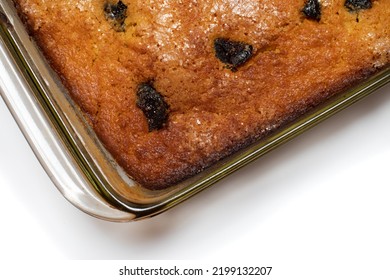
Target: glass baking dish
{"points": [[80, 167]]}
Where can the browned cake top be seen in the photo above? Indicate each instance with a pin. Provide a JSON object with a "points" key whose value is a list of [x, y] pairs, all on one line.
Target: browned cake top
{"points": [[172, 86]]}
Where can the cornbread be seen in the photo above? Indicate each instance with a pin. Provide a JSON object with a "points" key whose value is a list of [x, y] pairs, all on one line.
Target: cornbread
{"points": [[172, 86]]}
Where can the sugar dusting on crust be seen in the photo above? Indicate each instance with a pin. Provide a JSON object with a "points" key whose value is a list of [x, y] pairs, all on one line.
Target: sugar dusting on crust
{"points": [[243, 8], [85, 5], [326, 3], [382, 52]]}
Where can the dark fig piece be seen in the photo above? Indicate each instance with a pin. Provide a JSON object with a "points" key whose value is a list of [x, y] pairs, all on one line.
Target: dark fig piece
{"points": [[116, 15], [153, 105], [233, 53], [312, 10]]}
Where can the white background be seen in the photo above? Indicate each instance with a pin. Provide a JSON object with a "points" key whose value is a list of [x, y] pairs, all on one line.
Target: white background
{"points": [[318, 207]]}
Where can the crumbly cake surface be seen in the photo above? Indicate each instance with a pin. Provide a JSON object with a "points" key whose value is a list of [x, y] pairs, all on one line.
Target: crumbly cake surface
{"points": [[298, 54]]}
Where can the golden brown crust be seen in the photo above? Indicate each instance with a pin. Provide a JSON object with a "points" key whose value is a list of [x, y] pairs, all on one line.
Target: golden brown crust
{"points": [[297, 63]]}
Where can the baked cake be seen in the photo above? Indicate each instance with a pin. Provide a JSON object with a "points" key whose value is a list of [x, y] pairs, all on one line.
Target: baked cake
{"points": [[172, 86]]}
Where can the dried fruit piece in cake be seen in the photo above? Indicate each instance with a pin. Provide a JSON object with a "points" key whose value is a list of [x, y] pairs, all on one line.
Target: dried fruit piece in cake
{"points": [[233, 53], [312, 10], [116, 14], [153, 105], [356, 5]]}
